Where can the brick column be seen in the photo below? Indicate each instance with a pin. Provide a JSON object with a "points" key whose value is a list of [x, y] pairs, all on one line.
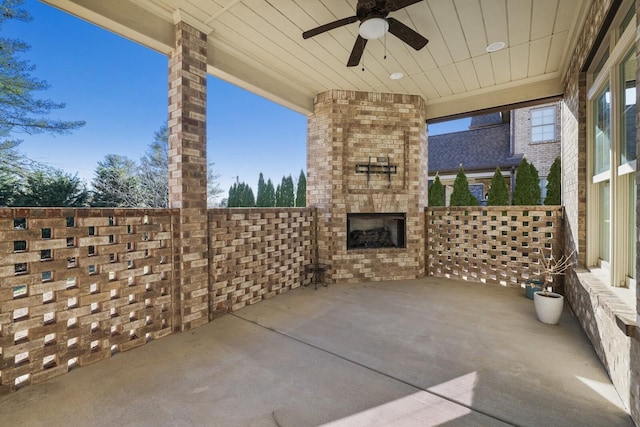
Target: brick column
{"points": [[188, 176]]}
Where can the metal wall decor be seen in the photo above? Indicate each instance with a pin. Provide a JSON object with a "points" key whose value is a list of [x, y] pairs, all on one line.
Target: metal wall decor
{"points": [[377, 167]]}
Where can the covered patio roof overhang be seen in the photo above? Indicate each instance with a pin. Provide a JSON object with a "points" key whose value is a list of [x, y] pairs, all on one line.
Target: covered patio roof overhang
{"points": [[258, 46]]}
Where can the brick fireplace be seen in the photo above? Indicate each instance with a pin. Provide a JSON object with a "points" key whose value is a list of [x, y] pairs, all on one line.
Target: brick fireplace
{"points": [[367, 161]]}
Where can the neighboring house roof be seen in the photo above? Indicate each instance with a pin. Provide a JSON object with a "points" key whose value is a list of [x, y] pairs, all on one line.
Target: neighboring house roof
{"points": [[485, 120], [482, 148]]}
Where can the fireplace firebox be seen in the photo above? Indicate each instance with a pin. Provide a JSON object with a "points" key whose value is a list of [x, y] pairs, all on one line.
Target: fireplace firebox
{"points": [[376, 230]]}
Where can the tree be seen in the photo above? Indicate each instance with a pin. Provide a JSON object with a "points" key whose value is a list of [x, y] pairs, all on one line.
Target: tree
{"points": [[278, 195], [154, 174], [554, 184], [116, 183], [301, 191], [461, 196], [232, 200], [241, 195], [20, 110], [213, 184], [245, 196], [436, 193], [536, 191], [261, 197], [154, 171], [13, 162], [527, 188], [270, 194], [9, 186], [285, 195], [248, 199], [53, 188], [498, 193]]}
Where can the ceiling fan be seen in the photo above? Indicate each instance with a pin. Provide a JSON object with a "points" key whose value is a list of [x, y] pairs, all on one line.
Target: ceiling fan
{"points": [[374, 24]]}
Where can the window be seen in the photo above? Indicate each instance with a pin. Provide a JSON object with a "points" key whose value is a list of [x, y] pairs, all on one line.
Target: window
{"points": [[611, 243], [543, 124]]}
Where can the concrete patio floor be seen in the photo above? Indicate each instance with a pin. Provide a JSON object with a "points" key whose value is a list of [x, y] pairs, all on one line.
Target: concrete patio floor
{"points": [[423, 352]]}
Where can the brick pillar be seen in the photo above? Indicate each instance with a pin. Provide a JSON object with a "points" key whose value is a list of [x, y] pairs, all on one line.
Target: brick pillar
{"points": [[188, 176]]}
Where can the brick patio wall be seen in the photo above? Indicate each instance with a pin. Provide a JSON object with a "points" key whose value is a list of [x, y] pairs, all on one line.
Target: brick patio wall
{"points": [[78, 285], [257, 253], [499, 244]]}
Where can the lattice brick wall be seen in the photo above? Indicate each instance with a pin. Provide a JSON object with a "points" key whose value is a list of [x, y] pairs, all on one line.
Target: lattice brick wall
{"points": [[257, 253], [498, 245], [77, 285]]}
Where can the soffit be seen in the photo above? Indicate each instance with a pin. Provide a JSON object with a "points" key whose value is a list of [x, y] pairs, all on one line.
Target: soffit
{"points": [[258, 45]]}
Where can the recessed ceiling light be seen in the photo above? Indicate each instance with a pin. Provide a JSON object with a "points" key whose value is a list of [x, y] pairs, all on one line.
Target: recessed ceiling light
{"points": [[396, 76], [495, 46]]}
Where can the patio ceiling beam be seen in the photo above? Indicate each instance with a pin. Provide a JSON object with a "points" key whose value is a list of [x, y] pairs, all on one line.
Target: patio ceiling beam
{"points": [[231, 68], [124, 18], [494, 99]]}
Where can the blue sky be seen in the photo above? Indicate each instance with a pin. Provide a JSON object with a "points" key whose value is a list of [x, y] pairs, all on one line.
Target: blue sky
{"points": [[120, 89]]}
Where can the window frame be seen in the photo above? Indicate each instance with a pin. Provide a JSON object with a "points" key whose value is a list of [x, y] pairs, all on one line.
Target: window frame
{"points": [[607, 73], [554, 124]]}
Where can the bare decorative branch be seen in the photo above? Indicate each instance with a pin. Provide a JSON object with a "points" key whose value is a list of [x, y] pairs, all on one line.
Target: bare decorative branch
{"points": [[553, 267]]}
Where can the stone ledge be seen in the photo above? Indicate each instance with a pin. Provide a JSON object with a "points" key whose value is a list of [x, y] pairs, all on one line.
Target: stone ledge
{"points": [[616, 309]]}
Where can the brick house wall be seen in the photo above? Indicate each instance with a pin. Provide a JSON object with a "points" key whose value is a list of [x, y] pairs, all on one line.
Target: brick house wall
{"points": [[610, 326], [542, 154]]}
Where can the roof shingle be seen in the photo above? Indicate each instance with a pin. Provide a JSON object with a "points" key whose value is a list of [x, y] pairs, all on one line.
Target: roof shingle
{"points": [[482, 148]]}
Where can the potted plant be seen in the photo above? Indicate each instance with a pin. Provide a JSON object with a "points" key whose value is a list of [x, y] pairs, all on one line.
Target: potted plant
{"points": [[549, 304]]}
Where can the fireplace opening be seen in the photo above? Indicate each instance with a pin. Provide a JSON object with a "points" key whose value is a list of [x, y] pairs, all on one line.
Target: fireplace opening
{"points": [[376, 230]]}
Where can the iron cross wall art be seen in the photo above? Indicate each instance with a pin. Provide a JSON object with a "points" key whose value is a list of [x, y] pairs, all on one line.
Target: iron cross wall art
{"points": [[379, 166]]}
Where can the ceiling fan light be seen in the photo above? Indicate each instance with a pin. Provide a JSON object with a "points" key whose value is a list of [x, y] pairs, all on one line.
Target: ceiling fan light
{"points": [[373, 28]]}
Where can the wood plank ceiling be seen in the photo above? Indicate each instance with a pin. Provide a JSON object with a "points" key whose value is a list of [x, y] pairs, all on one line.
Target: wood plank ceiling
{"points": [[258, 45]]}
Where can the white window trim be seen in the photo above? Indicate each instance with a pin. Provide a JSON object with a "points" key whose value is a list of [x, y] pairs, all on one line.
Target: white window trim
{"points": [[617, 271], [601, 177], [555, 124], [627, 168]]}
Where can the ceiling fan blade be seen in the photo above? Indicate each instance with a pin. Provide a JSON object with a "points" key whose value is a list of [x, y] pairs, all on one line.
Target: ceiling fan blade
{"points": [[356, 52], [406, 34], [330, 26], [393, 5]]}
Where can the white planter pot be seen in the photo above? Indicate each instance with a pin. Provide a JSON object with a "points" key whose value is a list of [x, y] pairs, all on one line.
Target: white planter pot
{"points": [[549, 307]]}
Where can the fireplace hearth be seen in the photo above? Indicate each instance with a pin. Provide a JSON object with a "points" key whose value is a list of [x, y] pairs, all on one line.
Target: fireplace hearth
{"points": [[375, 230]]}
